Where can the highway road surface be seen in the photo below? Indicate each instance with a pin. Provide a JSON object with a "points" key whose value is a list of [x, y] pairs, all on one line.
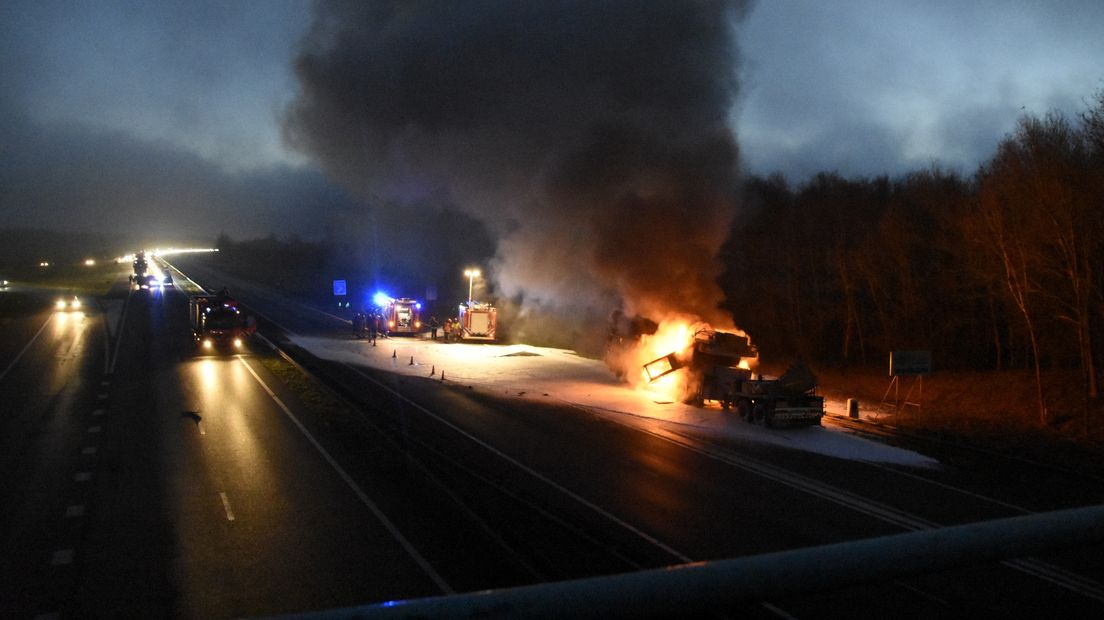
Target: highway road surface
{"points": [[210, 488]]}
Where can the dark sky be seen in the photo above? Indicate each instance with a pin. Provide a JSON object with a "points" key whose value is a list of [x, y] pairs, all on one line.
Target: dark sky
{"points": [[173, 112]]}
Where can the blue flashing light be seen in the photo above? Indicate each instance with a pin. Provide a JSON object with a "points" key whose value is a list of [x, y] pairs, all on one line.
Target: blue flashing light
{"points": [[381, 299], [418, 305]]}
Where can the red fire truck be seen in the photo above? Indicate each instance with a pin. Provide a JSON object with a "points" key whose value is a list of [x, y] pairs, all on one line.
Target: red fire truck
{"points": [[403, 316], [218, 322], [477, 321]]}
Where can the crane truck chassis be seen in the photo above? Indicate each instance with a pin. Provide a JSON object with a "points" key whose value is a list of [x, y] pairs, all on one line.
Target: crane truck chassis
{"points": [[712, 362]]}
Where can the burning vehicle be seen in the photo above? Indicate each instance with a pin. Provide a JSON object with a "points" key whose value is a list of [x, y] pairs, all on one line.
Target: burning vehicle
{"points": [[717, 368]]}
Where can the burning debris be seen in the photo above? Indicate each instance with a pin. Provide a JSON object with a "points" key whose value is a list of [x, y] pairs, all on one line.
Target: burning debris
{"points": [[718, 367]]}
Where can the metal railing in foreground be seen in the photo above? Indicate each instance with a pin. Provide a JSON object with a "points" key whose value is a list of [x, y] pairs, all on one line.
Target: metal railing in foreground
{"points": [[703, 587]]}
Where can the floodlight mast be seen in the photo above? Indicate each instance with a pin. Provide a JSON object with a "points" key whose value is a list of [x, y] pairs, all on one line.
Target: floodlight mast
{"points": [[472, 275]]}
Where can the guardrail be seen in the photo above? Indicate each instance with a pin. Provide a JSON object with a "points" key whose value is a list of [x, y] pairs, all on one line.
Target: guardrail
{"points": [[700, 588]]}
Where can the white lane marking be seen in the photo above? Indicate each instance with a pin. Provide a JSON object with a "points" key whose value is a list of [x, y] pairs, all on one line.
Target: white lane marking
{"points": [[1056, 575], [119, 332], [107, 346], [98, 412], [105, 383], [532, 472], [101, 396], [361, 495], [88, 450], [83, 476], [95, 429], [76, 510], [226, 506], [61, 557], [943, 485], [25, 347]]}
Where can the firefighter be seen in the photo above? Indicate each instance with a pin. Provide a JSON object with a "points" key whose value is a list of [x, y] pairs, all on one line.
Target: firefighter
{"points": [[358, 324], [448, 329], [434, 324], [373, 327]]}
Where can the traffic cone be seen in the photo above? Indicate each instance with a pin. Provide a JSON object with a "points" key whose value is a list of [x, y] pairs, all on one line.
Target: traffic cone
{"points": [[394, 354], [411, 361], [442, 376], [433, 371]]}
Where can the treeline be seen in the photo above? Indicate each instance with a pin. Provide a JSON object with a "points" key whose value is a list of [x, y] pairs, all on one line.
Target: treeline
{"points": [[1004, 269]]}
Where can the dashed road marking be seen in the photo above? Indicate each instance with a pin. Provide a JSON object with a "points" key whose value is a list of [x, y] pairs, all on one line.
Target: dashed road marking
{"points": [[83, 476], [105, 383], [88, 450], [95, 429], [98, 412], [101, 396], [226, 506], [76, 510], [361, 495]]}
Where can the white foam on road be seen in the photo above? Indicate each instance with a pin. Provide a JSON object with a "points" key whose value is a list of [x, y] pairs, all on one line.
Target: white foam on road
{"points": [[541, 373]]}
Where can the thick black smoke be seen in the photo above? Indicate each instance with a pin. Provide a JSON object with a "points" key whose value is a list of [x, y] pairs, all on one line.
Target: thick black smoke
{"points": [[593, 137]]}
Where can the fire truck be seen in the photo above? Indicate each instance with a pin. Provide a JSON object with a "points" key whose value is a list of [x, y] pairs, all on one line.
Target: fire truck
{"points": [[477, 321], [403, 316], [218, 322]]}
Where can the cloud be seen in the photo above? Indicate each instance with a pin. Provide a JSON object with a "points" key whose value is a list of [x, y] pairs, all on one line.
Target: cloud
{"points": [[70, 177], [918, 76]]}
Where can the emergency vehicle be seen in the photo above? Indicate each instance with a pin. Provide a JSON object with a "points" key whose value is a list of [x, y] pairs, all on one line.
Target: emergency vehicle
{"points": [[403, 316], [477, 321]]}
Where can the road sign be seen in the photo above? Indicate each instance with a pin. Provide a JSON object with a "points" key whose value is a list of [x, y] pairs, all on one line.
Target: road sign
{"points": [[910, 363], [339, 288]]}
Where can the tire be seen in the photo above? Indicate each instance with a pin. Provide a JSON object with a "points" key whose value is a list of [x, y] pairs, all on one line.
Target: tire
{"points": [[759, 414], [743, 409]]}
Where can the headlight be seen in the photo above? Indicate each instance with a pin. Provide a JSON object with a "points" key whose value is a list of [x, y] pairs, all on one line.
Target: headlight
{"points": [[60, 304], [207, 344], [237, 343], [76, 303], [417, 324]]}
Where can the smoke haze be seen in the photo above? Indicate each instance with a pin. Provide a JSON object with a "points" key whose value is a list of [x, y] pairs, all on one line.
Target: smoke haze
{"points": [[591, 137]]}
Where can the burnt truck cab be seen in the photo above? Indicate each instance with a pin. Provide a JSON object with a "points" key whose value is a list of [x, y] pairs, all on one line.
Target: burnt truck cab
{"points": [[715, 373]]}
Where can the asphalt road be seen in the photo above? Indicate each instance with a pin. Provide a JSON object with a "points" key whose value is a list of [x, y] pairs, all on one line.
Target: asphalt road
{"points": [[649, 500], [210, 490]]}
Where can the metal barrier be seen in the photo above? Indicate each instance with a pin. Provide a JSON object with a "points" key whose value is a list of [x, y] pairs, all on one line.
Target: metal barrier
{"points": [[693, 589]]}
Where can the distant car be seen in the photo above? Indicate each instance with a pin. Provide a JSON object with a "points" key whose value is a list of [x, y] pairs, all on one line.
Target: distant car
{"points": [[69, 302], [167, 280], [4, 285]]}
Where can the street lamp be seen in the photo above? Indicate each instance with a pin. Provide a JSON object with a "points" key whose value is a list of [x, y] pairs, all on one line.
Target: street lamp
{"points": [[472, 275]]}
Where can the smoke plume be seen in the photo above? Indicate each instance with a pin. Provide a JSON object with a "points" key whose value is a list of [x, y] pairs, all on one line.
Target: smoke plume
{"points": [[592, 137]]}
